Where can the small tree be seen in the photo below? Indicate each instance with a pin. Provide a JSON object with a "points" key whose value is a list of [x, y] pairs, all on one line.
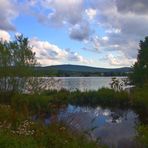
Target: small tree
{"points": [[16, 63], [17, 69], [139, 76]]}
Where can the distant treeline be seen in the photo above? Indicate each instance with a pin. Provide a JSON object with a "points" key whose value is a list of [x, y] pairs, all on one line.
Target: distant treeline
{"points": [[64, 73]]}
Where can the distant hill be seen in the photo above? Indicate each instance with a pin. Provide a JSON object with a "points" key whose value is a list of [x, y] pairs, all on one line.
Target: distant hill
{"points": [[78, 70]]}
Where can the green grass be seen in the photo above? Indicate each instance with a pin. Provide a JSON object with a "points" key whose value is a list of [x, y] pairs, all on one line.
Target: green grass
{"points": [[140, 96], [46, 137], [142, 136], [14, 111], [48, 101], [104, 97], [22, 106], [16, 130]]}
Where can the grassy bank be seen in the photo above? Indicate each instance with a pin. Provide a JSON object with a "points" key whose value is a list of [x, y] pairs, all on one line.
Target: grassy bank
{"points": [[139, 97], [16, 113], [17, 130], [49, 100]]}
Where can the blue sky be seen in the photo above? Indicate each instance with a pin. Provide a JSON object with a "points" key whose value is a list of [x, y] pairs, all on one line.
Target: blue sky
{"points": [[100, 33]]}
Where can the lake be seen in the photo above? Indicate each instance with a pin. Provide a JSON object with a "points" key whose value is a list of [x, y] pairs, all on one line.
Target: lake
{"points": [[84, 83], [113, 127]]}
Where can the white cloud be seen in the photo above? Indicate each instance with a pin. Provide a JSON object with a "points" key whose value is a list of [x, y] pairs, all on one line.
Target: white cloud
{"points": [[123, 23], [80, 32], [4, 35], [138, 6], [105, 38], [113, 30], [63, 11], [48, 54], [91, 13], [74, 56], [97, 43], [46, 50], [8, 11], [124, 26], [119, 60]]}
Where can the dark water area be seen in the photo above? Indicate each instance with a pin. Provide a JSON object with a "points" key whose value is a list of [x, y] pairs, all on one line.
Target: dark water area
{"points": [[113, 127]]}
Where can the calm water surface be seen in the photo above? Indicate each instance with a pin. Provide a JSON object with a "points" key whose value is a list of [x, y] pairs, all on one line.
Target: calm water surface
{"points": [[84, 83], [113, 127]]}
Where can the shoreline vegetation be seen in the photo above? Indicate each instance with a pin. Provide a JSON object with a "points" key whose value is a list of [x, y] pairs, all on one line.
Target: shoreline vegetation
{"points": [[21, 108], [17, 129], [68, 70]]}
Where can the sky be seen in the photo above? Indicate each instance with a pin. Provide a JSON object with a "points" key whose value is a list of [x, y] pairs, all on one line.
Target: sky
{"points": [[99, 33]]}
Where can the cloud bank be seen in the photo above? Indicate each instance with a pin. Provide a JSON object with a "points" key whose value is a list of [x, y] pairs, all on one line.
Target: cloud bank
{"points": [[124, 24], [50, 54], [8, 11]]}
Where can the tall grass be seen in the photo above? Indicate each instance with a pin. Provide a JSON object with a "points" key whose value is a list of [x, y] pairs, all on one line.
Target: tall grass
{"points": [[27, 134], [15, 110], [104, 97]]}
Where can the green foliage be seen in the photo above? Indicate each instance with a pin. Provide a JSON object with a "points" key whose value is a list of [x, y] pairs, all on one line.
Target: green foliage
{"points": [[30, 103], [139, 76], [139, 100], [55, 136], [16, 62], [140, 96], [142, 136], [28, 134], [9, 141], [105, 97]]}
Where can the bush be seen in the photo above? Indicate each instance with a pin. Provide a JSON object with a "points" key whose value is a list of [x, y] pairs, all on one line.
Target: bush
{"points": [[142, 136], [105, 97]]}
